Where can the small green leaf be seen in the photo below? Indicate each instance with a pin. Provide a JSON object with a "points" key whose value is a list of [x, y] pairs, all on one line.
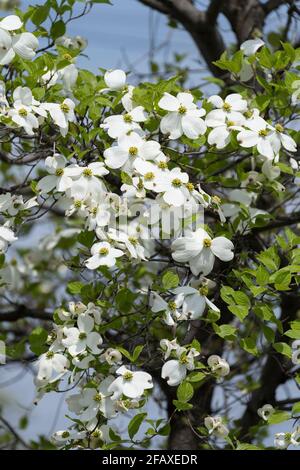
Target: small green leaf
{"points": [[185, 392], [170, 280], [135, 424]]}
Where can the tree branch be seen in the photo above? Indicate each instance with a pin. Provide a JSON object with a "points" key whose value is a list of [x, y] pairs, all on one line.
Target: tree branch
{"points": [[22, 312]]}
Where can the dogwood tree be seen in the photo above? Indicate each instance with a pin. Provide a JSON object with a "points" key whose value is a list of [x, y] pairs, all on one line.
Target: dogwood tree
{"points": [[149, 242]]}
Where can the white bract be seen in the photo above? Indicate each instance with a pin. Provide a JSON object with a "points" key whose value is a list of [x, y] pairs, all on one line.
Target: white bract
{"points": [[115, 79], [265, 411], [103, 254], [132, 384], [200, 250], [81, 338], [218, 365], [130, 147], [183, 117], [23, 44], [175, 370], [215, 425]]}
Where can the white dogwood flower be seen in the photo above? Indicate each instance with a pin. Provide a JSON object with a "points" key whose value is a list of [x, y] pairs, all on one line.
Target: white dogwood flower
{"points": [[129, 148], [200, 250], [170, 309], [282, 440], [62, 114], [95, 400], [115, 79], [6, 236], [60, 177], [51, 366], [251, 46], [168, 346], [23, 44], [222, 128], [215, 425], [60, 438], [229, 109], [218, 365], [132, 384], [121, 124], [81, 338], [195, 301], [103, 254], [183, 117], [265, 412], [173, 184], [175, 370], [259, 135]]}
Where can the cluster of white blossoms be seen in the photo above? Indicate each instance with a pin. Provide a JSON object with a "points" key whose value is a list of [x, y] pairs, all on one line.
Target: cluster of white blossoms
{"points": [[155, 201], [12, 43], [283, 440], [183, 360], [76, 348], [28, 113]]}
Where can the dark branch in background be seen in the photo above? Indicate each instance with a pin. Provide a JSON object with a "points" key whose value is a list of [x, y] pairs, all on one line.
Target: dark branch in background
{"points": [[274, 372], [22, 312], [245, 17]]}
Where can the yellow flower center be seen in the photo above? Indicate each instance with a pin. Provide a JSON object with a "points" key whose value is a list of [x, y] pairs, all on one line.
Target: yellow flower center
{"points": [[172, 305], [190, 186], [97, 397], [226, 107], [279, 128], [59, 172], [230, 123], [133, 240], [128, 375], [182, 109], [82, 335], [263, 132], [64, 107], [133, 151], [203, 290], [50, 355], [216, 199], [77, 204], [162, 165], [22, 112], [103, 251], [149, 176], [183, 360], [207, 242], [176, 182], [87, 172], [67, 57], [127, 118], [65, 435]]}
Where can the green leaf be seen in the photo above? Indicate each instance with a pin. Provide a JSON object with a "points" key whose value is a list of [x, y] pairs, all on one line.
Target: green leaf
{"points": [[283, 348], [247, 447], [182, 406], [269, 258], [170, 280], [278, 417], [37, 340], [40, 14], [137, 351], [124, 300], [225, 331], [74, 287], [296, 409], [196, 377], [58, 29], [135, 424], [185, 392]]}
